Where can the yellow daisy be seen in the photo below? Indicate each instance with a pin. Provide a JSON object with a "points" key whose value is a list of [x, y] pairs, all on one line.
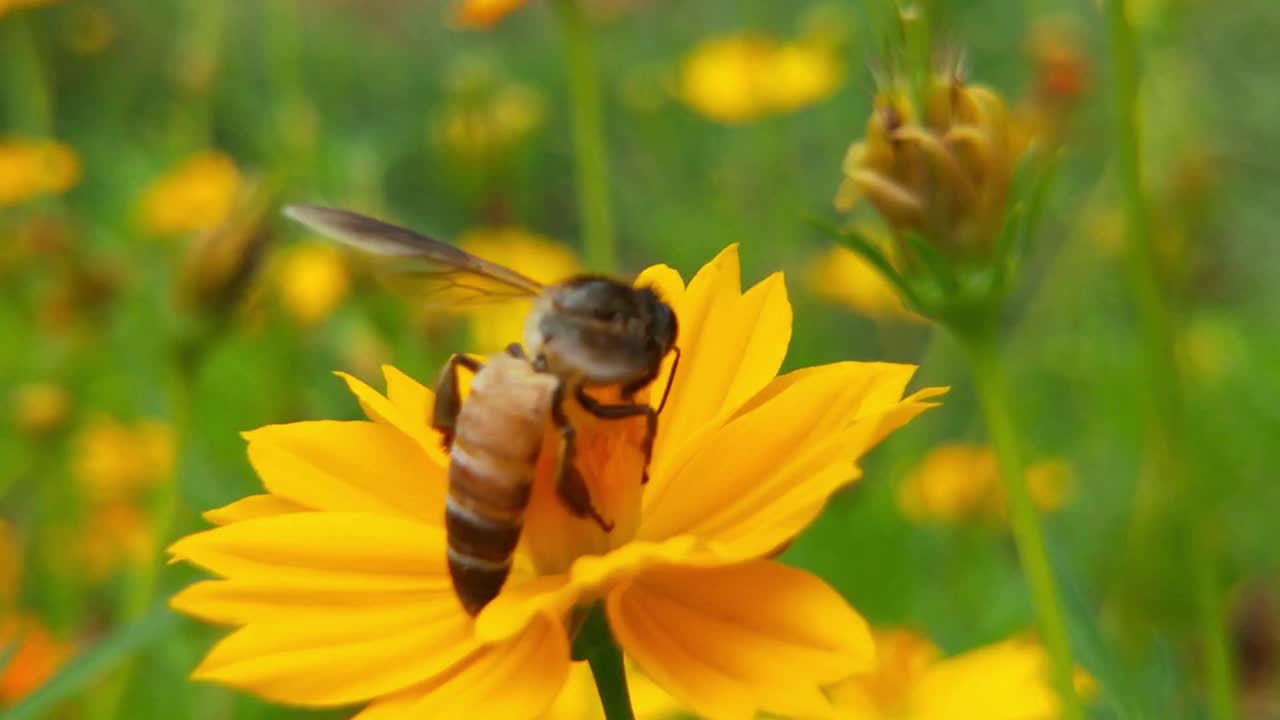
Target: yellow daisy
{"points": [[337, 583], [742, 77], [1008, 680], [313, 281]]}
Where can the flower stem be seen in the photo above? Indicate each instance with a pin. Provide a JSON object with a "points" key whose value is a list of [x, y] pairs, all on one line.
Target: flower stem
{"points": [[588, 137], [988, 376], [595, 643], [1169, 416]]}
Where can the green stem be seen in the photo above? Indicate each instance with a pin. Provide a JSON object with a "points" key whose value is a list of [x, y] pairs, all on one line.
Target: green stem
{"points": [[27, 78], [588, 137], [989, 382], [595, 643], [1169, 415], [140, 587]]}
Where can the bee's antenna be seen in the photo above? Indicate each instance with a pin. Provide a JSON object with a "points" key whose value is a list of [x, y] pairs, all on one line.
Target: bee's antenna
{"points": [[670, 379]]}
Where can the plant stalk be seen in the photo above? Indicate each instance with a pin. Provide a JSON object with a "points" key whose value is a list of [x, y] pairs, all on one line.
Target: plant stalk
{"points": [[1172, 441], [590, 157], [595, 643], [989, 382]]}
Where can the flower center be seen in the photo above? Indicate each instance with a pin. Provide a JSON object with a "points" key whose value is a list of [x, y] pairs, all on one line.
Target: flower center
{"points": [[609, 458]]}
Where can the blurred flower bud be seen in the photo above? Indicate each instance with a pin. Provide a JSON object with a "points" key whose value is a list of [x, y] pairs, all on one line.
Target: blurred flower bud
{"points": [[197, 195], [30, 168], [219, 263], [39, 408], [941, 172], [936, 165]]}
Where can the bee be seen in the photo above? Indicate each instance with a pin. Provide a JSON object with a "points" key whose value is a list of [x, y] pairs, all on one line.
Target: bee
{"points": [[587, 331]]}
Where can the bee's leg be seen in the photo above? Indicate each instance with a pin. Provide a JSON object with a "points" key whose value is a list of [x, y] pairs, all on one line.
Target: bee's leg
{"points": [[571, 487], [627, 410], [444, 417]]}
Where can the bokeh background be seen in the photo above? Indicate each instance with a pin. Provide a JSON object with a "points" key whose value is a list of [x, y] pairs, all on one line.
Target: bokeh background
{"points": [[153, 303]]}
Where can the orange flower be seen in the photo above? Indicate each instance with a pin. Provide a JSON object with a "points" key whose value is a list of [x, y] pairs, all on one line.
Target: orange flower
{"points": [[483, 14], [37, 657]]}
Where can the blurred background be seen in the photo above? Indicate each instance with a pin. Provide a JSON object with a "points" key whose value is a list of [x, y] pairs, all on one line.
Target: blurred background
{"points": [[154, 304]]}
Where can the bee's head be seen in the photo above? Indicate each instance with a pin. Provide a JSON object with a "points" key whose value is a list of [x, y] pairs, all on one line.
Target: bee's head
{"points": [[608, 331]]}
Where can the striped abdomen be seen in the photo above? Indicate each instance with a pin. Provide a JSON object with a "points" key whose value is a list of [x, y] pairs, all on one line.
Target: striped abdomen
{"points": [[495, 451]]}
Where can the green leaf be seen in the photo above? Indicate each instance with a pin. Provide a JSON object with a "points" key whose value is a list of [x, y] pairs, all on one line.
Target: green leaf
{"points": [[92, 665], [867, 249]]}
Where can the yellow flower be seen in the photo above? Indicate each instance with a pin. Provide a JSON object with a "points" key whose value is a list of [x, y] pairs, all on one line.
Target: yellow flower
{"points": [[37, 657], [1008, 680], [30, 168], [956, 482], [199, 194], [337, 583], [579, 700], [313, 280], [541, 258], [742, 77], [483, 14], [117, 461], [40, 407], [843, 276]]}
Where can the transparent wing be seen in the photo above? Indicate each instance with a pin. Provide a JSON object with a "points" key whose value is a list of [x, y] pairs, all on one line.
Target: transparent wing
{"points": [[435, 272]]}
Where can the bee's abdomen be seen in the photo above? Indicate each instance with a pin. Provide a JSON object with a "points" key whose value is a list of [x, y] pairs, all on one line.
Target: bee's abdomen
{"points": [[491, 470]]}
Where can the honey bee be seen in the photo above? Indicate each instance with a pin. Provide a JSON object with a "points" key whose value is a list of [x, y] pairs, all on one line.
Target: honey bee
{"points": [[587, 331]]}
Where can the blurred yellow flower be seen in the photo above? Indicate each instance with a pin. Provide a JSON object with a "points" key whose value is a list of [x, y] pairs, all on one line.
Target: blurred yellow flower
{"points": [[843, 276], [7, 6], [198, 194], [1008, 680], [40, 407], [115, 535], [483, 14], [957, 482], [743, 77], [37, 657], [579, 700], [30, 168], [484, 115], [313, 280], [115, 461], [493, 327], [337, 582]]}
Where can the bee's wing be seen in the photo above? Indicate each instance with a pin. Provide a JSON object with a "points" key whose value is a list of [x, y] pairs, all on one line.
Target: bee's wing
{"points": [[440, 273]]}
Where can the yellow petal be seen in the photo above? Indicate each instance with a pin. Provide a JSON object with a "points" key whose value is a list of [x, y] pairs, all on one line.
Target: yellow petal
{"points": [[732, 345], [408, 416], [330, 549], [587, 580], [249, 508], [410, 397], [517, 680], [289, 596], [355, 465], [1005, 681], [337, 657], [805, 432], [731, 641]]}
